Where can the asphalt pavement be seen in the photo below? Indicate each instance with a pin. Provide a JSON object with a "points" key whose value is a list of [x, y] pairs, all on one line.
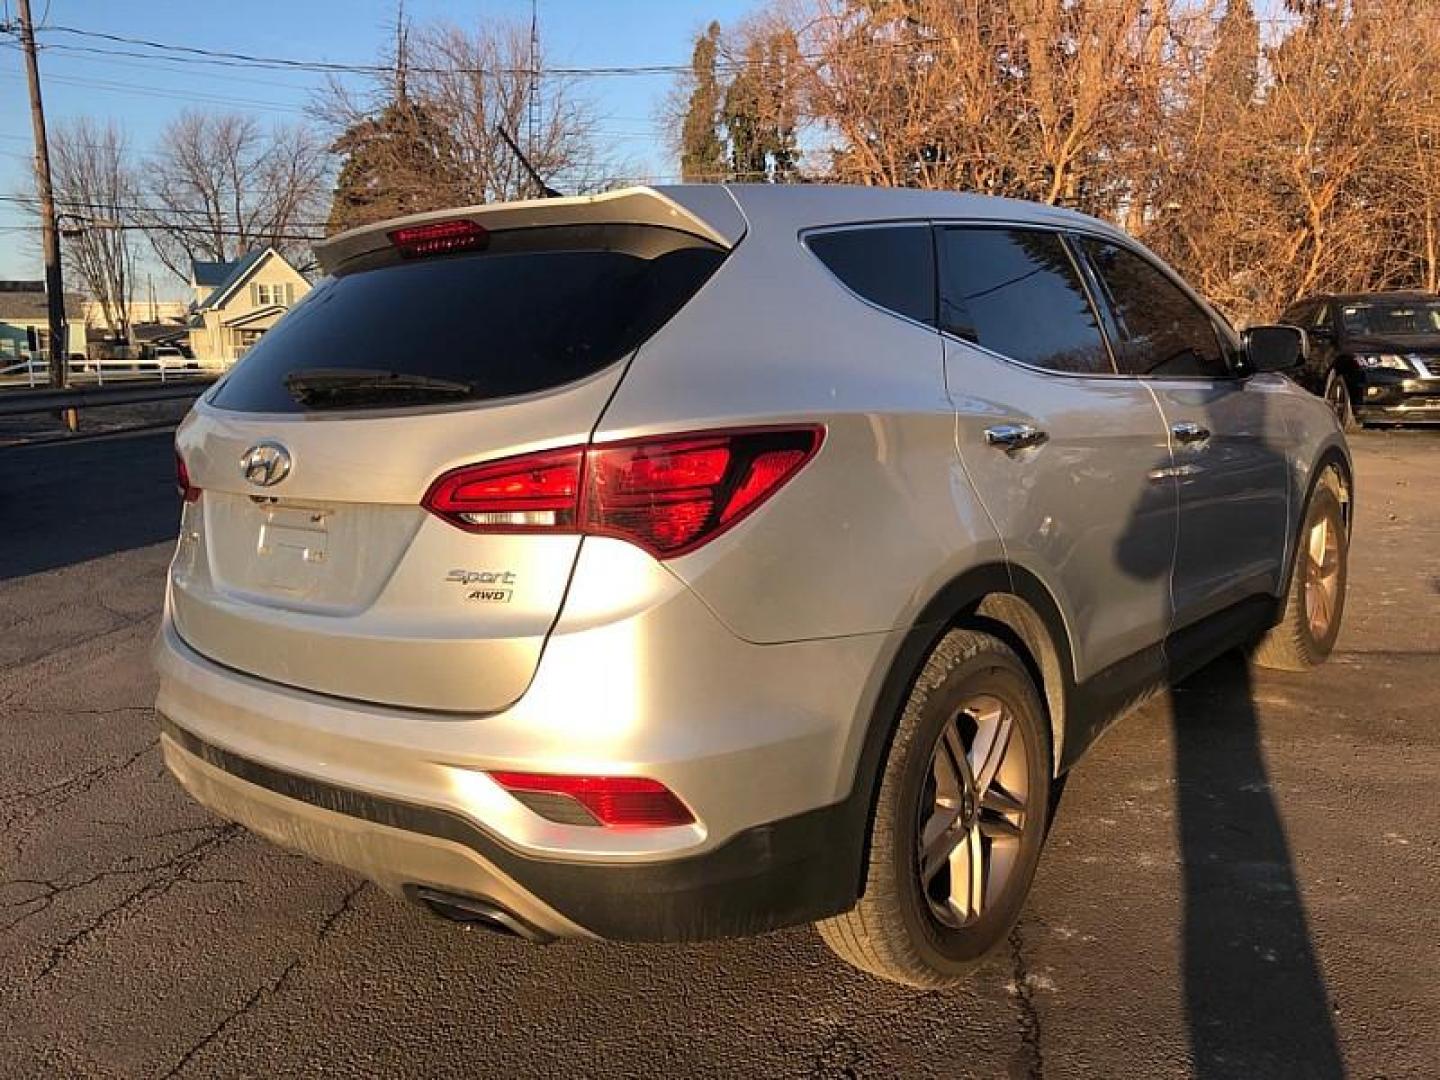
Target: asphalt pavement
{"points": [[1241, 880]]}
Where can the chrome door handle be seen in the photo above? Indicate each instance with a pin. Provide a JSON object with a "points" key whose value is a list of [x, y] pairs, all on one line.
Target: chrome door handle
{"points": [[1010, 437], [1189, 432]]}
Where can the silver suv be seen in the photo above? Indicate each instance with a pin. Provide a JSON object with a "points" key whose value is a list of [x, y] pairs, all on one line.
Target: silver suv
{"points": [[688, 562]]}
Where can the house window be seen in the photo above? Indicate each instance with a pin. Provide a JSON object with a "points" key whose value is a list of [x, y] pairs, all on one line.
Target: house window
{"points": [[265, 295], [244, 339]]}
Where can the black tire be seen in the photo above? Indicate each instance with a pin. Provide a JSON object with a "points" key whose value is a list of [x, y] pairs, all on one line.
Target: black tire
{"points": [[1337, 396], [894, 931], [1294, 644]]}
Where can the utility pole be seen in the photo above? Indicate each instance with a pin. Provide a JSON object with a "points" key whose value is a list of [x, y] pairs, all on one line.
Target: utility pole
{"points": [[49, 233]]}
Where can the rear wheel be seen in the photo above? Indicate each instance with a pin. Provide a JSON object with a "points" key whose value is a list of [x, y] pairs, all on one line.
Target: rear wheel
{"points": [[1315, 601], [1337, 396], [959, 821]]}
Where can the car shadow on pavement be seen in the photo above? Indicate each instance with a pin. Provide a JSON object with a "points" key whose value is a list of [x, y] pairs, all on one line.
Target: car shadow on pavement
{"points": [[68, 502], [1255, 997]]}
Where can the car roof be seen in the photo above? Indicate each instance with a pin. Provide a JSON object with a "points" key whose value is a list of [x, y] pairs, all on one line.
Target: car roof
{"points": [[816, 205], [724, 213]]}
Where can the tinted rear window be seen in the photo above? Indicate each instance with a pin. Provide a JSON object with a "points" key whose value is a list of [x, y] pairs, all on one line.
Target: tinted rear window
{"points": [[890, 265], [499, 323]]}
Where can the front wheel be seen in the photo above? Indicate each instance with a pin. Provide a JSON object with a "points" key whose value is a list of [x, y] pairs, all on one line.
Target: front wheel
{"points": [[959, 821], [1315, 600], [1337, 396]]}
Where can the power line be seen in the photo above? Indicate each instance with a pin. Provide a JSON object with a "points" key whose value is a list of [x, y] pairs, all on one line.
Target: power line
{"points": [[134, 208], [192, 54], [226, 58], [173, 95], [267, 237]]}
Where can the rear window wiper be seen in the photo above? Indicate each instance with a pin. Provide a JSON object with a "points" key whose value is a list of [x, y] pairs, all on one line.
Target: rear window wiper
{"points": [[319, 387]]}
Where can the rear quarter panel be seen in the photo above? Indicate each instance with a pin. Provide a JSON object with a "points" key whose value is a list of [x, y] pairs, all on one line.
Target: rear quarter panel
{"points": [[883, 516]]}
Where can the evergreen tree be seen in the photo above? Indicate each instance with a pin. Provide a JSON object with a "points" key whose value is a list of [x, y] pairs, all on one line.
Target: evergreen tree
{"points": [[702, 154], [400, 161]]}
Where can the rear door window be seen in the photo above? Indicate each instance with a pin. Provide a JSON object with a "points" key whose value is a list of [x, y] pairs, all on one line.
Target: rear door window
{"points": [[892, 266], [532, 313], [1017, 292], [1161, 331]]}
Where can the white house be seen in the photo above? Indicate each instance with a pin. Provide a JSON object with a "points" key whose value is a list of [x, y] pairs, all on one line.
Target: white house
{"points": [[236, 302], [25, 323]]}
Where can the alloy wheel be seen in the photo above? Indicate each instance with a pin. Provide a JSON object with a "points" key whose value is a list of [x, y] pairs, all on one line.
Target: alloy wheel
{"points": [[973, 811], [1338, 398], [1322, 576]]}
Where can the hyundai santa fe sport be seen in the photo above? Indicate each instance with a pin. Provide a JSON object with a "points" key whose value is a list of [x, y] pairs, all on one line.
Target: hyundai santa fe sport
{"points": [[688, 562]]}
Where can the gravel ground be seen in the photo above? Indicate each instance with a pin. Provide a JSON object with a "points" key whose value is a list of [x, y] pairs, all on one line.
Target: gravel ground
{"points": [[1241, 880]]}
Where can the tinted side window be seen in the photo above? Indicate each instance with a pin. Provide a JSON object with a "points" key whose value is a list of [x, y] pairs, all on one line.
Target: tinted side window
{"points": [[1162, 331], [891, 265], [1017, 293]]}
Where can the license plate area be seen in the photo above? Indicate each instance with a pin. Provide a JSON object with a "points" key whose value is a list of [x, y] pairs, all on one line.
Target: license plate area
{"points": [[292, 548]]}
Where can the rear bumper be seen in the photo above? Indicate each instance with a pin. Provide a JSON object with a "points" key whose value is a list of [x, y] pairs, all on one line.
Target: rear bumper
{"points": [[768, 876], [760, 741]]}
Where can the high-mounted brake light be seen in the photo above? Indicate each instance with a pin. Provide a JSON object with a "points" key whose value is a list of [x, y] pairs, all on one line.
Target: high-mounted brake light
{"points": [[188, 491], [668, 494], [617, 802], [439, 238]]}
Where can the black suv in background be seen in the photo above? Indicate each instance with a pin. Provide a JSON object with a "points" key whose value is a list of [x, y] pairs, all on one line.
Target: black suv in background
{"points": [[1375, 357]]}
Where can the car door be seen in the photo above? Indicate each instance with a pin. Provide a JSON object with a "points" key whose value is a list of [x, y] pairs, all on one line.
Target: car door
{"points": [[1319, 323], [1070, 460], [1227, 432]]}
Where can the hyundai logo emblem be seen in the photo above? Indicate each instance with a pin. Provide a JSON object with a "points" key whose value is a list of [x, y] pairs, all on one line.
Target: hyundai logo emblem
{"points": [[265, 464]]}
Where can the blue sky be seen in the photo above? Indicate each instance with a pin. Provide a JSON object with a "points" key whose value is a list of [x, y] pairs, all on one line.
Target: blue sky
{"points": [[144, 96]]}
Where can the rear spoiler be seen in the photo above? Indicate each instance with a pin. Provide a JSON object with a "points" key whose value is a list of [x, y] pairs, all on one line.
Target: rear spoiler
{"points": [[704, 210]]}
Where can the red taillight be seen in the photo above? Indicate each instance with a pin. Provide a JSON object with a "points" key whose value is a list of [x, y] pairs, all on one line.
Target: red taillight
{"points": [[439, 238], [615, 801], [524, 494], [668, 494], [658, 494], [188, 491]]}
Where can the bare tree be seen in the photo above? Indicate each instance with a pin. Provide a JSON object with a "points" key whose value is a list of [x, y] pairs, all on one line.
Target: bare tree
{"points": [[221, 185], [96, 191], [475, 80], [1264, 164], [1046, 99]]}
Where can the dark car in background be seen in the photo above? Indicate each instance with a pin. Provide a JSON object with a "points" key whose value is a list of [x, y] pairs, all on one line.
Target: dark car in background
{"points": [[1375, 357]]}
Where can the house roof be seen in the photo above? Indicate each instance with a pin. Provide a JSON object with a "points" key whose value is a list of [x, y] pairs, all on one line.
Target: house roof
{"points": [[259, 315], [209, 274], [239, 271], [25, 301]]}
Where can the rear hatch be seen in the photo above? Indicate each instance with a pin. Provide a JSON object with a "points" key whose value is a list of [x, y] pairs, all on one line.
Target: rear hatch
{"points": [[306, 556]]}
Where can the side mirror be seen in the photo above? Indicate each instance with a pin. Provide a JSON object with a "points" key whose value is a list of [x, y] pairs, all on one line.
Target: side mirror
{"points": [[1276, 348]]}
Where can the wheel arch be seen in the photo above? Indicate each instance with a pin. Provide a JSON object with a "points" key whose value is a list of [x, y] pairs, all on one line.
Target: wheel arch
{"points": [[1333, 458], [1000, 598]]}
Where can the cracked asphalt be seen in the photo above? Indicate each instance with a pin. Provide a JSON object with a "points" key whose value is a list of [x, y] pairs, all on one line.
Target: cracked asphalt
{"points": [[1241, 880]]}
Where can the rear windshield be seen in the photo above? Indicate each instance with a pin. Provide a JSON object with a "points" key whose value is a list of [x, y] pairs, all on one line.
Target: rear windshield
{"points": [[510, 320]]}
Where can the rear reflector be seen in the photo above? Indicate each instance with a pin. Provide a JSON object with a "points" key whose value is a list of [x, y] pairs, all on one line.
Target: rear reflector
{"points": [[439, 238], [619, 802], [188, 491], [668, 494]]}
